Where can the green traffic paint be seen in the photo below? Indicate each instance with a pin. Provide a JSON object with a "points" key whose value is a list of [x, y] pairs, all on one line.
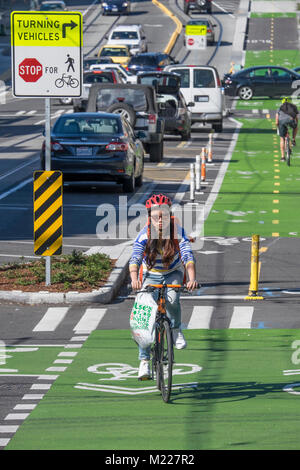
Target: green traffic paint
{"points": [[245, 202], [27, 359], [239, 401]]}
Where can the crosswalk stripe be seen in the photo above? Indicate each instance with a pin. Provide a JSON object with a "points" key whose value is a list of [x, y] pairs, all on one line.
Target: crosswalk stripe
{"points": [[201, 317], [52, 318], [90, 320], [241, 317]]}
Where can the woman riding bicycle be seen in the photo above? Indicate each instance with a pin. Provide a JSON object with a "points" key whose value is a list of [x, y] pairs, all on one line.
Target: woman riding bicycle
{"points": [[161, 248], [287, 115]]}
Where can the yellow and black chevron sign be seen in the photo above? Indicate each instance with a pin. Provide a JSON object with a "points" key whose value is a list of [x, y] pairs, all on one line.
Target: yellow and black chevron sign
{"points": [[47, 207]]}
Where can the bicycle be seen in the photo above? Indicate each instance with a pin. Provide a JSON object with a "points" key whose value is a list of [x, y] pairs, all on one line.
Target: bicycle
{"points": [[162, 350], [66, 80], [287, 148]]}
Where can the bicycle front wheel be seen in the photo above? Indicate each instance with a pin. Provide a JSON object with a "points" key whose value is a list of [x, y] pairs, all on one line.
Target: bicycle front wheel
{"points": [[165, 361]]}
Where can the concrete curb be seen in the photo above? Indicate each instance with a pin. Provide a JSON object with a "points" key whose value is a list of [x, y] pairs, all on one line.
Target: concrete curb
{"points": [[104, 295]]}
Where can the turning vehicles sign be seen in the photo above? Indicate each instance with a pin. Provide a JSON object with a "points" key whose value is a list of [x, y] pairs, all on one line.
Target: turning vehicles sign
{"points": [[46, 53]]}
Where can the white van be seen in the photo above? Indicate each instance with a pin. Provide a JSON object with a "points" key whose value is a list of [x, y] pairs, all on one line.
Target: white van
{"points": [[201, 84]]}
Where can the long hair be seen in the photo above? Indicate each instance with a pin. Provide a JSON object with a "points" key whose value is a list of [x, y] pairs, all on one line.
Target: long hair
{"points": [[169, 246]]}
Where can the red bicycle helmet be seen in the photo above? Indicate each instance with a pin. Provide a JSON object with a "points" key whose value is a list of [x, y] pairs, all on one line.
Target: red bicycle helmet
{"points": [[158, 200]]}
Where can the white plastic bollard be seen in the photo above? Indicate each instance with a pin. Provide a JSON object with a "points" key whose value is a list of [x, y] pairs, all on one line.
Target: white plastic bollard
{"points": [[192, 181], [198, 173]]}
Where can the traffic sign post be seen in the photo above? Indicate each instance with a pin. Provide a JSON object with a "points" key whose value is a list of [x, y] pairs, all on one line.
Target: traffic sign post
{"points": [[195, 37], [46, 62]]}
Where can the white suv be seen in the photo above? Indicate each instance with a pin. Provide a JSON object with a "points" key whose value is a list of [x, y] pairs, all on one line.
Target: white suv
{"points": [[131, 35]]}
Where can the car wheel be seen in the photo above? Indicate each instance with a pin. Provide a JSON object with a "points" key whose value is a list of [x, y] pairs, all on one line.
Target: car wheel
{"points": [[139, 180], [186, 135], [129, 184], [218, 127], [245, 92], [156, 152], [186, 9], [125, 110]]}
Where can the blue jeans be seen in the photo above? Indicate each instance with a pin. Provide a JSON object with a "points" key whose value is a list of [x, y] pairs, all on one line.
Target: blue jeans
{"points": [[172, 301]]}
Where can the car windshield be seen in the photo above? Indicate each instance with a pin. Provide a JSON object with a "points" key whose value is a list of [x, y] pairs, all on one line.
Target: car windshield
{"points": [[114, 51], [87, 126], [204, 79], [51, 6], [98, 78], [143, 60], [133, 97], [124, 35]]}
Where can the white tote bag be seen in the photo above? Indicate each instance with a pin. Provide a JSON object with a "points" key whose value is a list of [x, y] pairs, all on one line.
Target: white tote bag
{"points": [[142, 319]]}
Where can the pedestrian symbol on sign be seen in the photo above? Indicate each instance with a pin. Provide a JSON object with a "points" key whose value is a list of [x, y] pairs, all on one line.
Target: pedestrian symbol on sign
{"points": [[70, 61]]}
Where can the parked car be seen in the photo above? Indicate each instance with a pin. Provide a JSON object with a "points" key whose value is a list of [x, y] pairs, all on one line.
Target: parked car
{"points": [[53, 5], [96, 147], [131, 35], [94, 76], [197, 5], [201, 85], [116, 7], [296, 69], [261, 81], [87, 62], [119, 54], [138, 104], [210, 34], [148, 61], [171, 102], [126, 76]]}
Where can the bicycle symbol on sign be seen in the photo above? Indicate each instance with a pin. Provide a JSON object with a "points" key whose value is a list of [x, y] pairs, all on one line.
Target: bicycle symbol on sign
{"points": [[66, 80]]}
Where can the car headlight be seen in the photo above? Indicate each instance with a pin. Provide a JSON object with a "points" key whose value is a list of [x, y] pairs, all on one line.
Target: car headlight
{"points": [[104, 4], [124, 4]]}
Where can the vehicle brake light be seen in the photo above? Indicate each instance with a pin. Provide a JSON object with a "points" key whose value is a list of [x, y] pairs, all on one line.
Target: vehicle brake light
{"points": [[218, 81], [116, 147], [159, 69], [208, 30], [152, 118]]}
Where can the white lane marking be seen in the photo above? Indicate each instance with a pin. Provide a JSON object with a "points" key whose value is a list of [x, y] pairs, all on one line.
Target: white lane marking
{"points": [[52, 318], [90, 320], [15, 188], [241, 317], [201, 317]]}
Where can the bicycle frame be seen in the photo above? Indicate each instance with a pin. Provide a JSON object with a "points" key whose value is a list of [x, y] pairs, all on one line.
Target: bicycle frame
{"points": [[287, 148]]}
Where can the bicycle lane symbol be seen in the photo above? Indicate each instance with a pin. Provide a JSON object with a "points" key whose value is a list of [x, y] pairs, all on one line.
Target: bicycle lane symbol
{"points": [[121, 372]]}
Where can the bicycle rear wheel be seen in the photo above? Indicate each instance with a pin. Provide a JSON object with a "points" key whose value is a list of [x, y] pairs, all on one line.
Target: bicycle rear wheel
{"points": [[165, 361], [288, 151]]}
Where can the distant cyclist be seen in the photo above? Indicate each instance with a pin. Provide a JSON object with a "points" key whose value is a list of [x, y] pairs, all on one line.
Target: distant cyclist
{"points": [[162, 248], [286, 116]]}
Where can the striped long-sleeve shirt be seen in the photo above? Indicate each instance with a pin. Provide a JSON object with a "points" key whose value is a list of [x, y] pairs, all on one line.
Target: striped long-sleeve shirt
{"points": [[185, 256]]}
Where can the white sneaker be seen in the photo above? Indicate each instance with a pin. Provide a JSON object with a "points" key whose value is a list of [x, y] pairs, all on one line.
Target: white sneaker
{"points": [[144, 370], [179, 339]]}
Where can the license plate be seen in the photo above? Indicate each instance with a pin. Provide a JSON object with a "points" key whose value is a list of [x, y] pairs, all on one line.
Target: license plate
{"points": [[201, 99], [114, 8], [84, 151]]}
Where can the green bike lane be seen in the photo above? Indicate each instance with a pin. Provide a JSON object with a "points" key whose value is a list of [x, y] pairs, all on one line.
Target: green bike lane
{"points": [[233, 389]]}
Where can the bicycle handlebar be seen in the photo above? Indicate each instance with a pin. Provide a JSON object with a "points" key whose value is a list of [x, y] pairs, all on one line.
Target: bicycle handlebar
{"points": [[176, 287]]}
